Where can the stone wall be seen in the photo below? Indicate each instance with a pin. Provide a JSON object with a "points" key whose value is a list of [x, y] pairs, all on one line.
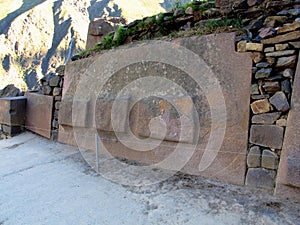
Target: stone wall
{"points": [[51, 85], [272, 37], [274, 42]]}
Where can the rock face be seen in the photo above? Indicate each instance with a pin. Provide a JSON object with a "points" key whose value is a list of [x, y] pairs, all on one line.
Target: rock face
{"points": [[35, 37]]}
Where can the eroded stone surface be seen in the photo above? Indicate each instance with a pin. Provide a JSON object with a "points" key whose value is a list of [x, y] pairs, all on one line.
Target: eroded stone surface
{"points": [[234, 78]]}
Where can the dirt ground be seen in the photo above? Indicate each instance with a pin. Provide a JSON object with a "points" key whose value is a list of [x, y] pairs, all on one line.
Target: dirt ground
{"points": [[43, 182]]}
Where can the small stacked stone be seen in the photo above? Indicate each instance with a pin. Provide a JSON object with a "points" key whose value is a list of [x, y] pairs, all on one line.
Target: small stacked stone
{"points": [[274, 41], [52, 85]]}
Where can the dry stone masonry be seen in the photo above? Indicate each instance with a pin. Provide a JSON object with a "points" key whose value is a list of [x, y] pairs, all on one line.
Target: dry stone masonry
{"points": [[267, 29], [52, 85], [274, 40], [260, 154]]}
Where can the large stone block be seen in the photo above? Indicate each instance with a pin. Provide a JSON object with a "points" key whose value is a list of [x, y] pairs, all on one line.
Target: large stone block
{"points": [[267, 136], [217, 63], [260, 178], [76, 113], [12, 111], [288, 179], [39, 113], [109, 119]]}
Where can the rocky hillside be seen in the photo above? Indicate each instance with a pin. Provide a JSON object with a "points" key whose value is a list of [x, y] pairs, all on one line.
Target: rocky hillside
{"points": [[35, 34]]}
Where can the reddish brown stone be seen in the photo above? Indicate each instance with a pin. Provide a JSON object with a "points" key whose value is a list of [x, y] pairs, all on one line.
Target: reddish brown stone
{"points": [[261, 106], [233, 72], [288, 179], [39, 114]]}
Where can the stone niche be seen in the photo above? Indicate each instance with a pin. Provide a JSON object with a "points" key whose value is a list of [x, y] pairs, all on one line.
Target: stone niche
{"points": [[190, 92]]}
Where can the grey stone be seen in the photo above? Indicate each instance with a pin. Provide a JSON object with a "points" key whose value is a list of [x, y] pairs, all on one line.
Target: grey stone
{"points": [[271, 87], [253, 158], [11, 130], [251, 2], [57, 105], [295, 44], [55, 123], [286, 61], [267, 118], [12, 111], [260, 178], [54, 81], [178, 12], [263, 73], [269, 160], [289, 73], [281, 122], [254, 70], [254, 89], [269, 49], [267, 136], [263, 65], [267, 32], [259, 97], [57, 91], [280, 102], [280, 53], [294, 12], [286, 86], [46, 90]]}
